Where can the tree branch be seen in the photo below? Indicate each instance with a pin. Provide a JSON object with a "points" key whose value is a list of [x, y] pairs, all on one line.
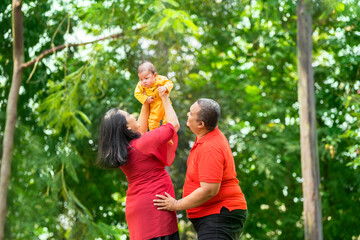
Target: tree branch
{"points": [[61, 47]]}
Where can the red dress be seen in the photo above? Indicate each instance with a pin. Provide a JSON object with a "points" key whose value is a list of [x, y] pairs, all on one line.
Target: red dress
{"points": [[146, 175]]}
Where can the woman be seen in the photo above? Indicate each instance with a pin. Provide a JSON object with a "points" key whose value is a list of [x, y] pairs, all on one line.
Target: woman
{"points": [[143, 159]]}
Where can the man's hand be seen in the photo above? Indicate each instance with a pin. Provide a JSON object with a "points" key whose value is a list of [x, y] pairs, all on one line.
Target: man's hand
{"points": [[165, 202], [149, 100]]}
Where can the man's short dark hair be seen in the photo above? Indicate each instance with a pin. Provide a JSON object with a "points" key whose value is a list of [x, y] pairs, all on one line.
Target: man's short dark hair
{"points": [[209, 112]]}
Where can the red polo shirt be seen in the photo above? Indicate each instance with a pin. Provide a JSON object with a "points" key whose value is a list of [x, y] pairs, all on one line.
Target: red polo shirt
{"points": [[211, 161]]}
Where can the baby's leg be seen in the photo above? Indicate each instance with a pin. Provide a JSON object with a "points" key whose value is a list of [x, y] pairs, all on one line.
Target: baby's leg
{"points": [[156, 114], [164, 120], [153, 124]]}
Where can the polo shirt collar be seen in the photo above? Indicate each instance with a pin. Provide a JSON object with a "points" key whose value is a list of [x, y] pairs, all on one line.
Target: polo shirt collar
{"points": [[207, 136]]}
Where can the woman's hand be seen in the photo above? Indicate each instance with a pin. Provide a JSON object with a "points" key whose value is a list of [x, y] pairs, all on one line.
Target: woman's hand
{"points": [[165, 202], [162, 90], [169, 110]]}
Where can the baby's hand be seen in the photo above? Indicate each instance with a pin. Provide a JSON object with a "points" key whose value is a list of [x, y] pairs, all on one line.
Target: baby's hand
{"points": [[150, 99], [162, 90]]}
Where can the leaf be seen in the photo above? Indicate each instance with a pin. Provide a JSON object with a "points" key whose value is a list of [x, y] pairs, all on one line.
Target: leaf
{"points": [[171, 2], [348, 99], [70, 169], [178, 26], [163, 23], [80, 129], [83, 116], [72, 197], [191, 25], [171, 13], [157, 6], [325, 14], [340, 7], [55, 184], [252, 90]]}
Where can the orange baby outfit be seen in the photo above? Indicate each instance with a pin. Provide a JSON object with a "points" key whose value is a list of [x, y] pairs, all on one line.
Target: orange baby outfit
{"points": [[157, 111]]}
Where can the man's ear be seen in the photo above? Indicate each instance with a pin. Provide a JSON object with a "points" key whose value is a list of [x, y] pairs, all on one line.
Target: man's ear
{"points": [[201, 124], [155, 74]]}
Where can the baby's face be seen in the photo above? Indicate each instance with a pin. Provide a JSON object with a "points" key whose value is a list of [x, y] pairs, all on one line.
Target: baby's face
{"points": [[147, 78]]}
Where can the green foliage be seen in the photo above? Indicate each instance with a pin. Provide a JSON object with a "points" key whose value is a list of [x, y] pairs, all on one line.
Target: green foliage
{"points": [[240, 53], [60, 108]]}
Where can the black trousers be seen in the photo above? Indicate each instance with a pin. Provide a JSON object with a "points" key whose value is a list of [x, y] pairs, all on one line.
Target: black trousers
{"points": [[224, 226]]}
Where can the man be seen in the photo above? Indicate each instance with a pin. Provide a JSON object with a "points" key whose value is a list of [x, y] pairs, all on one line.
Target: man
{"points": [[212, 196]]}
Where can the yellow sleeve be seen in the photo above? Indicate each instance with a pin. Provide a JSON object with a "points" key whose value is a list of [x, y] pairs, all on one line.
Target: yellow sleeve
{"points": [[139, 93], [164, 81]]}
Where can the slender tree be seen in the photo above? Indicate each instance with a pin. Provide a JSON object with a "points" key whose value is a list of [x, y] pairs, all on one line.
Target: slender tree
{"points": [[11, 110], [309, 151]]}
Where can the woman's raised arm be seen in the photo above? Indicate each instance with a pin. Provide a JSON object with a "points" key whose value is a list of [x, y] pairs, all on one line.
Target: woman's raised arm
{"points": [[169, 111], [143, 118]]}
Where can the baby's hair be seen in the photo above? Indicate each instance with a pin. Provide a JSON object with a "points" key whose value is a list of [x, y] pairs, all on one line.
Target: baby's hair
{"points": [[146, 66]]}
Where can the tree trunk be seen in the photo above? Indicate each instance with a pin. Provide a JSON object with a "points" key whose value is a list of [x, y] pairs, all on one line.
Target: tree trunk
{"points": [[308, 135], [11, 109]]}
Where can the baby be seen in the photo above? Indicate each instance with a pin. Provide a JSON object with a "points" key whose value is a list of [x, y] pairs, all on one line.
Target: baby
{"points": [[147, 91]]}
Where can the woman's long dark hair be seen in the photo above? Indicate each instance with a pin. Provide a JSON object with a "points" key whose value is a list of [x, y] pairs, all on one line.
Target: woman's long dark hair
{"points": [[114, 140]]}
